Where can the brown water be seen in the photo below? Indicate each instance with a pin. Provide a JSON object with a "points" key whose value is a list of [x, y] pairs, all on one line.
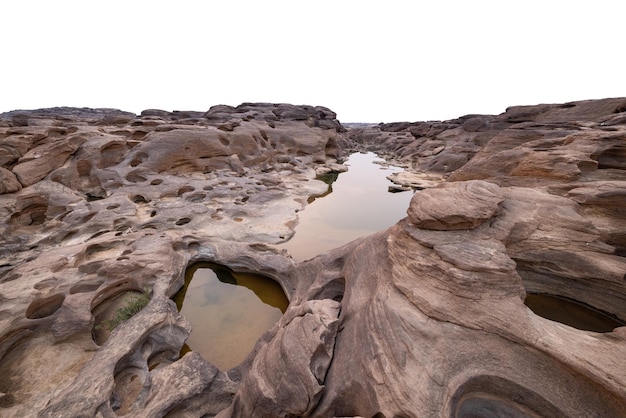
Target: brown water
{"points": [[228, 311], [571, 313], [359, 205]]}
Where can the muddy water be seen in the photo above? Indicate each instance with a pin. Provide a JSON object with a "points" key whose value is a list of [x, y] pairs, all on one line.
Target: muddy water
{"points": [[228, 311], [359, 205], [571, 313]]}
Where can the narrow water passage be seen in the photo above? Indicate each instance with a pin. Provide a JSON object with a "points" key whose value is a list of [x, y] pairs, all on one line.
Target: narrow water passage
{"points": [[359, 205], [228, 311]]}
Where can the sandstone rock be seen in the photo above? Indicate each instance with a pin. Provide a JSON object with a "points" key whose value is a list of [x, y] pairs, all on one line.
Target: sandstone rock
{"points": [[115, 200], [221, 109], [205, 390], [426, 318], [456, 206], [64, 114], [302, 348], [474, 124], [609, 193], [17, 143], [178, 151], [108, 388], [38, 162], [155, 112], [8, 182], [445, 309], [596, 110], [522, 146]]}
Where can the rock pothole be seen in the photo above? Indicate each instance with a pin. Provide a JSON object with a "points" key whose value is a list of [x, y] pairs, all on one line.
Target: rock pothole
{"points": [[135, 177], [488, 396], [30, 211], [228, 311], [572, 312], [183, 221], [44, 307], [128, 385], [115, 309]]}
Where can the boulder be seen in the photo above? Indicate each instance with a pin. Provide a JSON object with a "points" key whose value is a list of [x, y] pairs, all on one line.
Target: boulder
{"points": [[462, 205], [38, 162], [8, 181]]}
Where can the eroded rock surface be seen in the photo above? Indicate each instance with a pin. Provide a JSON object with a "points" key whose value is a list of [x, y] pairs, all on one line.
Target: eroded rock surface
{"points": [[99, 205], [425, 319], [469, 205]]}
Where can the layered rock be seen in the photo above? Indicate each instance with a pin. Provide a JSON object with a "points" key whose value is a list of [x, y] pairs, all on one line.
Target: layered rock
{"points": [[426, 318], [437, 326], [433, 320], [524, 145], [99, 205]]}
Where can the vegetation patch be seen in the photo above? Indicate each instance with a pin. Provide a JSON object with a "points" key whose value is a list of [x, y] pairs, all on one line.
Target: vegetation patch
{"points": [[135, 304]]}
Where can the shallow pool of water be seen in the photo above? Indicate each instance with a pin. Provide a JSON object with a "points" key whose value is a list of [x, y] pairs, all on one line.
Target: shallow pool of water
{"points": [[359, 205], [228, 311], [571, 313]]}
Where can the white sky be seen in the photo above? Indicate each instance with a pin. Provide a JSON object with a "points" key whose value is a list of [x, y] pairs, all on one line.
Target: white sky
{"points": [[369, 61]]}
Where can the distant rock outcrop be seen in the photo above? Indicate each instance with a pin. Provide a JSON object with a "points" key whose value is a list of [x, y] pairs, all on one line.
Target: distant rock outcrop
{"points": [[429, 318]]}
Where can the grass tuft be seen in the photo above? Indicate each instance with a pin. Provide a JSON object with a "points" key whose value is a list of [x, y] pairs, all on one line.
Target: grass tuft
{"points": [[134, 305]]}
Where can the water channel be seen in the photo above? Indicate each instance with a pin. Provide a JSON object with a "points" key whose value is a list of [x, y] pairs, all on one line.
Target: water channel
{"points": [[359, 205], [229, 311]]}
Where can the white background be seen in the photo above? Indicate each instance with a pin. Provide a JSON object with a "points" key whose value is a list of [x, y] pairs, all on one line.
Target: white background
{"points": [[369, 61]]}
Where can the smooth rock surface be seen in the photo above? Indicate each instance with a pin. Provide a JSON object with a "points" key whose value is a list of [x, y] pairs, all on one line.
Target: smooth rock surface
{"points": [[455, 206]]}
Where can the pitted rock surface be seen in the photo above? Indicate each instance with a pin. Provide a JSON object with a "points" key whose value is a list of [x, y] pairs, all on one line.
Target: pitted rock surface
{"points": [[424, 319], [99, 205]]}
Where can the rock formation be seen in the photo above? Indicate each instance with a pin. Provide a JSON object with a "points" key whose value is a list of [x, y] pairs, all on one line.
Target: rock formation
{"points": [[99, 204], [425, 319]]}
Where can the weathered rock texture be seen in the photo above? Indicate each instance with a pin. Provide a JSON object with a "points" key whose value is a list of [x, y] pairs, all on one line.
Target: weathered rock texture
{"points": [[99, 204], [425, 319]]}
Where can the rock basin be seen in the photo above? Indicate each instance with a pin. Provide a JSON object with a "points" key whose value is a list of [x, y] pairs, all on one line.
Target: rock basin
{"points": [[228, 311], [572, 313]]}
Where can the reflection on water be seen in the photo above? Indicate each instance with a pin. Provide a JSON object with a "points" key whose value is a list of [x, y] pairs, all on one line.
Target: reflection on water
{"points": [[571, 313], [359, 205], [328, 178], [228, 311]]}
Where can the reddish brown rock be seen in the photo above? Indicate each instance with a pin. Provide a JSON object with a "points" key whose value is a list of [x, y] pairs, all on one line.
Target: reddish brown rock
{"points": [[38, 162], [429, 318], [8, 181], [455, 206], [110, 203]]}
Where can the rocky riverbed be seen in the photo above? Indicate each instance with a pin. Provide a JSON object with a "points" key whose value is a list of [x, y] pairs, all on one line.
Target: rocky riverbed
{"points": [[426, 318]]}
